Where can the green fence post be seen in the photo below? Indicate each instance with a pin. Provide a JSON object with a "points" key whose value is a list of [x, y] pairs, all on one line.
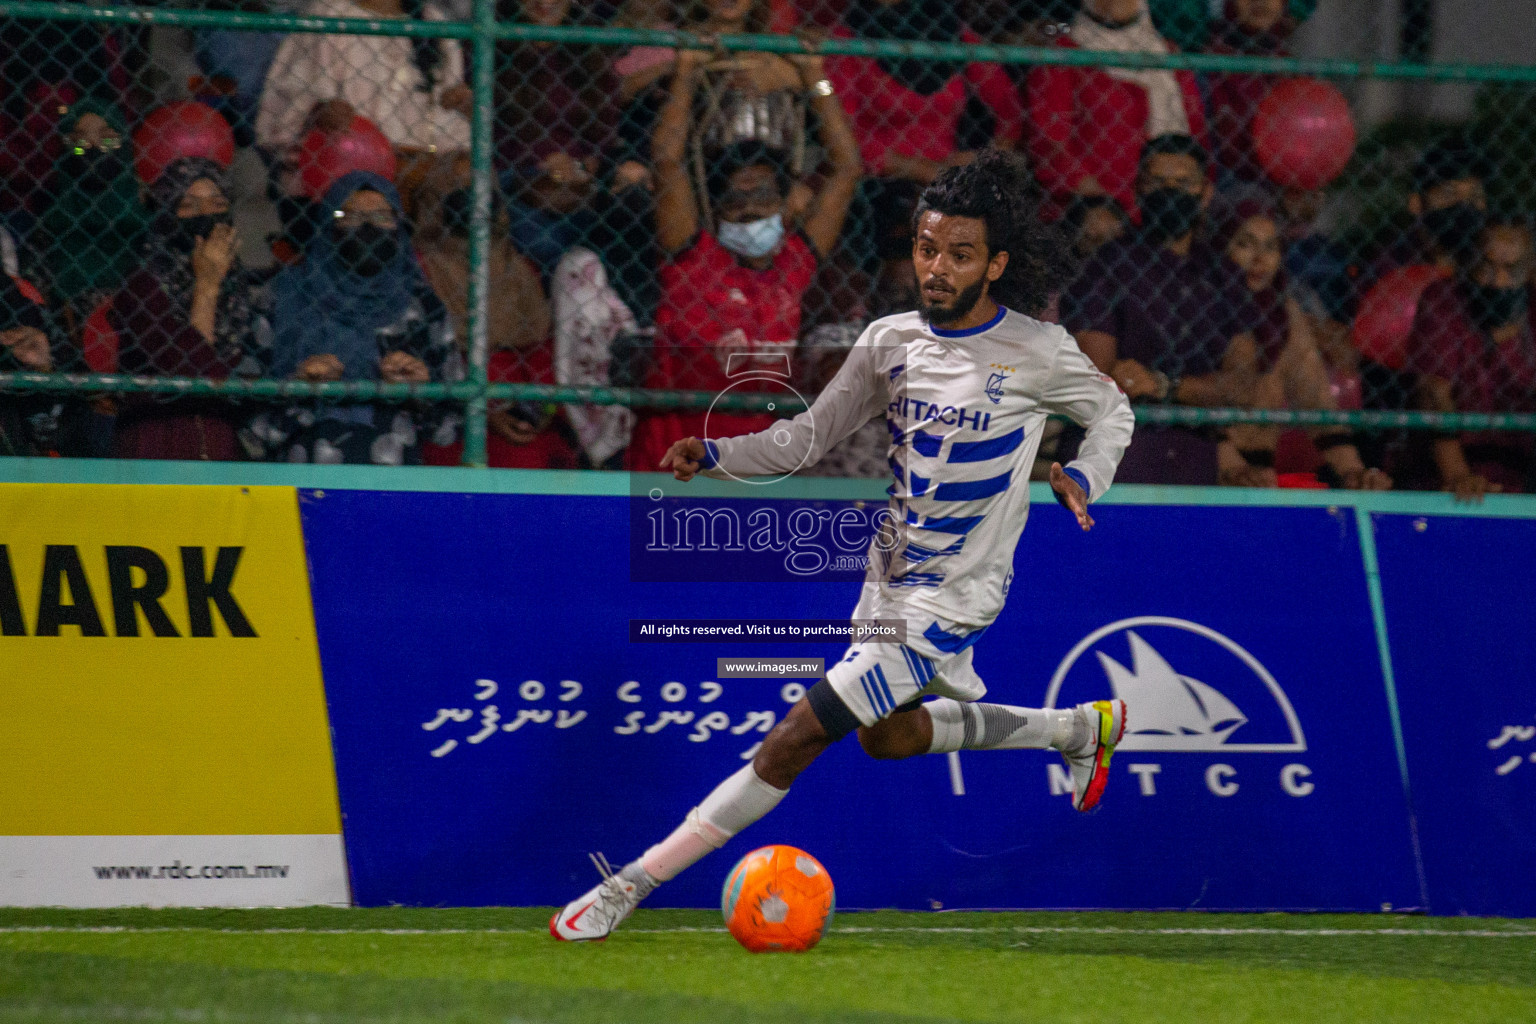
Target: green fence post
{"points": [[484, 43]]}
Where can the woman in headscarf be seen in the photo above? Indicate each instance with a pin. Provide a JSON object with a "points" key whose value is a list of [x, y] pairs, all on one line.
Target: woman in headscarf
{"points": [[1089, 124], [358, 308], [92, 233], [187, 312]]}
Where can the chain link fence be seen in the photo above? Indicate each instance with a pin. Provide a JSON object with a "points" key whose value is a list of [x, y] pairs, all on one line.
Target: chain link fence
{"points": [[552, 233]]}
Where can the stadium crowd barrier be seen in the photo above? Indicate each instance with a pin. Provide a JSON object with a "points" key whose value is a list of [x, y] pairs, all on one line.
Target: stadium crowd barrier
{"points": [[273, 685]]}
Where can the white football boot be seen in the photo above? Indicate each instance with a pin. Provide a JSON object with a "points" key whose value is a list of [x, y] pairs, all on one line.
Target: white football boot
{"points": [[1089, 765], [601, 909]]}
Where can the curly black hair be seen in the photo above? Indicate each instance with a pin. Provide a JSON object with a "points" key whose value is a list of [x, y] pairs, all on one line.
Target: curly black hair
{"points": [[998, 189]]}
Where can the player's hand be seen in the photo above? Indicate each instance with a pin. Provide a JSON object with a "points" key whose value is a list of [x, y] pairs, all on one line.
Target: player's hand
{"points": [[1071, 495], [399, 367], [1470, 488], [684, 458]]}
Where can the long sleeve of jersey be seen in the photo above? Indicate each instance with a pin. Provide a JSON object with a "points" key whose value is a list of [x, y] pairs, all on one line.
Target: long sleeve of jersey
{"points": [[856, 395], [1090, 399]]}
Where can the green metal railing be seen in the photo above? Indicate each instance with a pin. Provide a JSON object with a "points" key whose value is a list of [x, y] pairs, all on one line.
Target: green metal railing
{"points": [[483, 32]]}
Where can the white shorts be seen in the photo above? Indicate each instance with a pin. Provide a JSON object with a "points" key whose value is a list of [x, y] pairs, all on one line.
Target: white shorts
{"points": [[875, 679]]}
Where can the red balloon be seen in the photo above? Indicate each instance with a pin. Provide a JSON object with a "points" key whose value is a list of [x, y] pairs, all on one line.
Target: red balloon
{"points": [[181, 129], [1385, 319], [326, 156], [1303, 133]]}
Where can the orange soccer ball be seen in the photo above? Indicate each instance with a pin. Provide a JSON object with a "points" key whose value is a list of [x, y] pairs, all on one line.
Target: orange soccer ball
{"points": [[778, 898]]}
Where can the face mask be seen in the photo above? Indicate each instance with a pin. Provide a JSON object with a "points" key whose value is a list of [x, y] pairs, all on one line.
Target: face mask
{"points": [[93, 170], [1455, 228], [753, 239], [1493, 307], [367, 250], [1168, 213], [183, 238]]}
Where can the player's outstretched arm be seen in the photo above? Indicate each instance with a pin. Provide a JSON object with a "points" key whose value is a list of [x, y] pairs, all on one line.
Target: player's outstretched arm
{"points": [[1093, 401]]}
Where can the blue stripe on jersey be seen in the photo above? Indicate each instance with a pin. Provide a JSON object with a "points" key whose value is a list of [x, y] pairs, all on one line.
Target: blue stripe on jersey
{"points": [[884, 687], [980, 451], [897, 470], [944, 524], [1002, 311], [896, 370], [917, 553], [919, 486], [926, 444], [917, 579], [922, 668], [951, 643], [969, 490]]}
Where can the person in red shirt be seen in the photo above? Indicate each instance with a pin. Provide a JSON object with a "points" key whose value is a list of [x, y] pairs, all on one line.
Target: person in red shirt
{"points": [[1474, 350], [1088, 124], [1250, 28], [731, 296]]}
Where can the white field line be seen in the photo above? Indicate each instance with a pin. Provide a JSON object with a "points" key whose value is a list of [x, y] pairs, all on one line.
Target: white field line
{"points": [[1513, 933]]}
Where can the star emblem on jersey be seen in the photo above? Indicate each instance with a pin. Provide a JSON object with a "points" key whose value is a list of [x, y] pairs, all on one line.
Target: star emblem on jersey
{"points": [[994, 388]]}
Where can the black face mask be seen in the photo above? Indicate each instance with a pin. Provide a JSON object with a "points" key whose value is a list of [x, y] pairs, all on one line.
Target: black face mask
{"points": [[183, 237], [93, 170], [367, 250], [1494, 307], [1168, 213], [1455, 228]]}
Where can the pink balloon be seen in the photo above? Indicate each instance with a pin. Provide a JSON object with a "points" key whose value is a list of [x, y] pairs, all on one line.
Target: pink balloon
{"points": [[1384, 321], [326, 156], [181, 129], [1303, 133]]}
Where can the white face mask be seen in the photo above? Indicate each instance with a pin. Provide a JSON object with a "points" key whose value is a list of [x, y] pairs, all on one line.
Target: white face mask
{"points": [[753, 239]]}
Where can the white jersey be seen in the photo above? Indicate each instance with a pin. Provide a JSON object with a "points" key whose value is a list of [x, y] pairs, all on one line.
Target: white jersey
{"points": [[965, 410]]}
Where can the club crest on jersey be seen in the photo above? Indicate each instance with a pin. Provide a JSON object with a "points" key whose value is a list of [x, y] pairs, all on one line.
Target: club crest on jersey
{"points": [[994, 388]]}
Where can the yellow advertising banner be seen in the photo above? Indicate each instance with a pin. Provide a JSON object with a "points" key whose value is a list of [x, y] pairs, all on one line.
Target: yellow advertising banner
{"points": [[159, 674]]}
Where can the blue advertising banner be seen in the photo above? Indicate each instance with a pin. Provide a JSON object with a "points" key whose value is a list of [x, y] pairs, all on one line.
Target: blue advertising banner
{"points": [[493, 723], [1460, 611]]}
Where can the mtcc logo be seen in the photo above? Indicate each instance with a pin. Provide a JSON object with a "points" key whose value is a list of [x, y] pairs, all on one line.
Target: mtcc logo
{"points": [[1188, 689]]}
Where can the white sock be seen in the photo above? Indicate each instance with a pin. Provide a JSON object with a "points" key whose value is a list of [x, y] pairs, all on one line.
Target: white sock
{"points": [[958, 726], [732, 806]]}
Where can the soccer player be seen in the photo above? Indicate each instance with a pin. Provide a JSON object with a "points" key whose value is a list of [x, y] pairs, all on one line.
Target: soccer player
{"points": [[966, 384]]}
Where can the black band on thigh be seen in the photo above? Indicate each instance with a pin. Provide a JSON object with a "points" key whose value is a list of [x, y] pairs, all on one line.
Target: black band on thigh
{"points": [[911, 705], [830, 710]]}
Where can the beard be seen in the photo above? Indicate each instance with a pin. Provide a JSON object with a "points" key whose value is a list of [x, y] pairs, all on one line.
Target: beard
{"points": [[936, 315]]}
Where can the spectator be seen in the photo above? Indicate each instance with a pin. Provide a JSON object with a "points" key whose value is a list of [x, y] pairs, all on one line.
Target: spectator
{"points": [[91, 234], [1259, 28], [187, 312], [1293, 372], [1473, 351], [736, 290], [80, 59], [412, 88], [238, 62], [1091, 221], [642, 73], [557, 147], [1170, 322], [33, 425], [1089, 124], [886, 97], [358, 308], [1449, 205], [518, 310]]}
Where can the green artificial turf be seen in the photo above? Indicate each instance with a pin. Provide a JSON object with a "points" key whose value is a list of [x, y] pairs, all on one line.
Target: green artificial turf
{"points": [[320, 966]]}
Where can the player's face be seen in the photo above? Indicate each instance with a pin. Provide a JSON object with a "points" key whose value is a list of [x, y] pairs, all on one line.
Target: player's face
{"points": [[953, 265]]}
